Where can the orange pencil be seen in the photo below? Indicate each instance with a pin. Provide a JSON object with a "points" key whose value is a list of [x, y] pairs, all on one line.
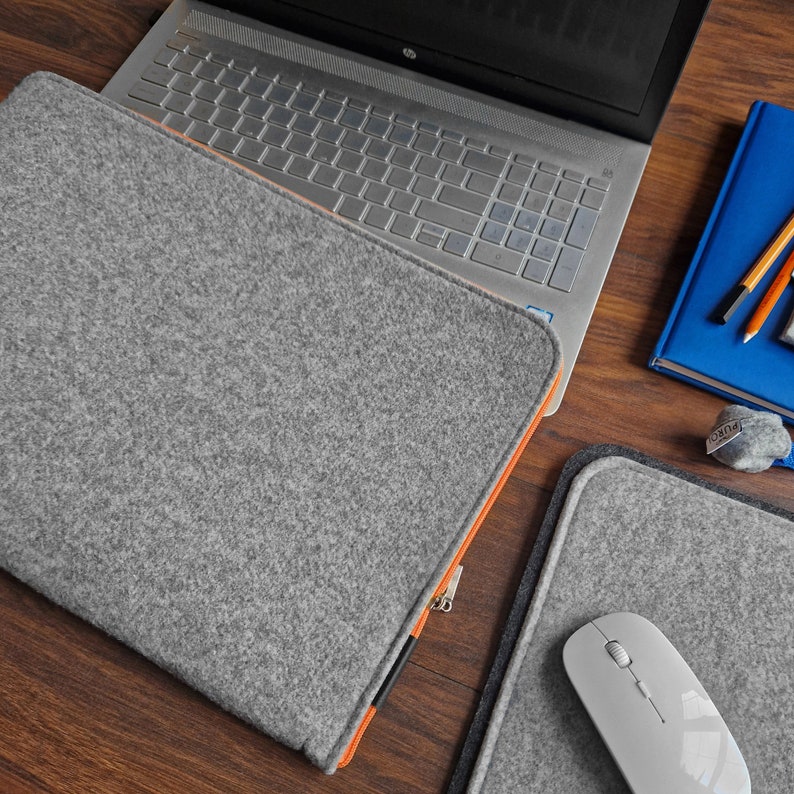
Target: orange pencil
{"points": [[770, 299]]}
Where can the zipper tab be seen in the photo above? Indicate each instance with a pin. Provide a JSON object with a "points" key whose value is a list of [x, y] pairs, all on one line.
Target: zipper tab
{"points": [[443, 602]]}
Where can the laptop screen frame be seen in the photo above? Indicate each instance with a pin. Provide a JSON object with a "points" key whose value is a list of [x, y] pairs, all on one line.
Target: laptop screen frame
{"points": [[640, 126]]}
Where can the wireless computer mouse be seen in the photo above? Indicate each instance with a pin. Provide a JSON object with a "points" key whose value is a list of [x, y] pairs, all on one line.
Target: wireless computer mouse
{"points": [[661, 727]]}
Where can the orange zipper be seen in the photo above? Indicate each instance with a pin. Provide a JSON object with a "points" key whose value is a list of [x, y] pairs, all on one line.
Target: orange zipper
{"points": [[347, 757]]}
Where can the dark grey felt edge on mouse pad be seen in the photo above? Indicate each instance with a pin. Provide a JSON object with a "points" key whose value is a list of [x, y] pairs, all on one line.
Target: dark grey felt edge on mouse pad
{"points": [[238, 434], [714, 570]]}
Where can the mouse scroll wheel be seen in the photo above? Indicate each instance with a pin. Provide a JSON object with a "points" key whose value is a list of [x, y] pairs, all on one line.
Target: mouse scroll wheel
{"points": [[618, 653]]}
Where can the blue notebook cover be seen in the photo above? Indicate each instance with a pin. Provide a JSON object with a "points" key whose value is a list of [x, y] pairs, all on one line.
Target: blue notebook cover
{"points": [[756, 200]]}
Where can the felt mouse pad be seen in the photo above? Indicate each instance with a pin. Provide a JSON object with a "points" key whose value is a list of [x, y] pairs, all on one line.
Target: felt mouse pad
{"points": [[712, 569], [238, 434]]}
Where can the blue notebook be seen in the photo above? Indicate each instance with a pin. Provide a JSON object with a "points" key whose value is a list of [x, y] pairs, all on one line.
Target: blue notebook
{"points": [[756, 199]]}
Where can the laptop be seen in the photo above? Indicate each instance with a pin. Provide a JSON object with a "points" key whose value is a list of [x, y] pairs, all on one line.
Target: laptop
{"points": [[503, 141]]}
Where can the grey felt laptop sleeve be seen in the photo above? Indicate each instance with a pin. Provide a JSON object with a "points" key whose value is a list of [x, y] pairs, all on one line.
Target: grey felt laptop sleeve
{"points": [[711, 568], [238, 434]]}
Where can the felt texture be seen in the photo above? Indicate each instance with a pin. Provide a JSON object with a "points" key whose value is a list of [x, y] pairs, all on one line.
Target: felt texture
{"points": [[238, 433], [763, 439], [710, 568]]}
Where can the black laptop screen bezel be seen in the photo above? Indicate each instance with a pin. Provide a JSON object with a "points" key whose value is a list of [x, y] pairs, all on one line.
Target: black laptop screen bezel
{"points": [[641, 125]]}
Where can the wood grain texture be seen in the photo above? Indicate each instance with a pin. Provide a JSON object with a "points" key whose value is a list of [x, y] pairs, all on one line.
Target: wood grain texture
{"points": [[81, 713]]}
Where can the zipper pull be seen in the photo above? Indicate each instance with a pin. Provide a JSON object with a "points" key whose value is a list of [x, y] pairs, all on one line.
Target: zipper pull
{"points": [[443, 603]]}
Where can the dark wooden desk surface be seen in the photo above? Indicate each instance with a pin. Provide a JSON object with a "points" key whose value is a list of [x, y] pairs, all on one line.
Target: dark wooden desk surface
{"points": [[79, 712]]}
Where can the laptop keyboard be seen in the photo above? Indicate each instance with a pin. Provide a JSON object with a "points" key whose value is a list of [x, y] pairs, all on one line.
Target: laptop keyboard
{"points": [[385, 170]]}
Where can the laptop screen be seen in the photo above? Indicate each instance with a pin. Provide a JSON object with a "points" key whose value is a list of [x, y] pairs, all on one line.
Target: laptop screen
{"points": [[612, 63]]}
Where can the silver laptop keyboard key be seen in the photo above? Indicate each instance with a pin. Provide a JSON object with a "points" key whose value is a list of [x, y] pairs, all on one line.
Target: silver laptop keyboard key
{"points": [[232, 79], [202, 132], [377, 127], [399, 178], [350, 161], [276, 158], [429, 166], [352, 208], [325, 153], [402, 136], [567, 190], [456, 197], [354, 141], [327, 175], [377, 193], [257, 87], [178, 123], [275, 136], [501, 212], [457, 244], [376, 170], [209, 92], [495, 256], [544, 249], [305, 124], [543, 183], [552, 229], [330, 111], [454, 174], [405, 226], [252, 150], [250, 127], [582, 227], [536, 270], [448, 217], [519, 241], [510, 194], [158, 75], [560, 210], [451, 152], [403, 202], [494, 232], [425, 187], [426, 143], [301, 167], [527, 221], [232, 100], [519, 174], [304, 103], [202, 111], [353, 118], [149, 92], [378, 217], [165, 57], [282, 117], [280, 94], [478, 161], [227, 119], [186, 63], [209, 71], [300, 144], [227, 141], [566, 269], [178, 103], [429, 239], [352, 184], [404, 158], [480, 183], [593, 198]]}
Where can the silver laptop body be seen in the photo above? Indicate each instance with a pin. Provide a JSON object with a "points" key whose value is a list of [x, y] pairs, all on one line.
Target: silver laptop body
{"points": [[523, 203]]}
